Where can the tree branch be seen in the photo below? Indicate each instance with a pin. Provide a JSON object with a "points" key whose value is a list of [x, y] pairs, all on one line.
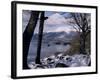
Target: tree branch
{"points": [[76, 20]]}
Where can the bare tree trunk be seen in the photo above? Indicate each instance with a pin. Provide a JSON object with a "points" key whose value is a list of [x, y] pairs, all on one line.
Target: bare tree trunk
{"points": [[82, 44], [27, 36], [42, 18], [83, 22]]}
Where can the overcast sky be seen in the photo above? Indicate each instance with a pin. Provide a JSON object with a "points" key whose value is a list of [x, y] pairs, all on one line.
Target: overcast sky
{"points": [[56, 21]]}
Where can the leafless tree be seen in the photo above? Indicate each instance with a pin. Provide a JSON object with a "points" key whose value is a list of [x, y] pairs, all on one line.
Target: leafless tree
{"points": [[28, 33], [27, 36], [40, 34], [83, 27]]}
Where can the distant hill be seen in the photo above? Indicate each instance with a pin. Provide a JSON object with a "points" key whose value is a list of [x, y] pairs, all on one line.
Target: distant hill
{"points": [[55, 36]]}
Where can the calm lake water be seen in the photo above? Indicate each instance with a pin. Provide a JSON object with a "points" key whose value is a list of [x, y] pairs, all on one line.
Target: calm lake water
{"points": [[46, 50]]}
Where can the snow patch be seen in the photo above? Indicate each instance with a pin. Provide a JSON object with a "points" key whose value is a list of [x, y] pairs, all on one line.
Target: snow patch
{"points": [[53, 61]]}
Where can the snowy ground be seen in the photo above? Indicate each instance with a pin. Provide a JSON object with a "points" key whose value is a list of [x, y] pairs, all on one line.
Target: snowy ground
{"points": [[76, 60]]}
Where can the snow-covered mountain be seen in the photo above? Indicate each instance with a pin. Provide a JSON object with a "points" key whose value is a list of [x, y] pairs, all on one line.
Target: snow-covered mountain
{"points": [[52, 36]]}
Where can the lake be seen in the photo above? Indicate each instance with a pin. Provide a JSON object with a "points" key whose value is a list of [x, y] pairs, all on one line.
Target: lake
{"points": [[46, 50]]}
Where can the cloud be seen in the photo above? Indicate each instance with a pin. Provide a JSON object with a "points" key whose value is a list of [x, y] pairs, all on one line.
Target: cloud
{"points": [[56, 22], [55, 19]]}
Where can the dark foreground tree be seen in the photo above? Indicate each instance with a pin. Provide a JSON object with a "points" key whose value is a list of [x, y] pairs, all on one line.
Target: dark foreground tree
{"points": [[42, 18], [83, 27], [27, 36]]}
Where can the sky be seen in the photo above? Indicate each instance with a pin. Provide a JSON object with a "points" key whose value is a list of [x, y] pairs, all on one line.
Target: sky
{"points": [[56, 22]]}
